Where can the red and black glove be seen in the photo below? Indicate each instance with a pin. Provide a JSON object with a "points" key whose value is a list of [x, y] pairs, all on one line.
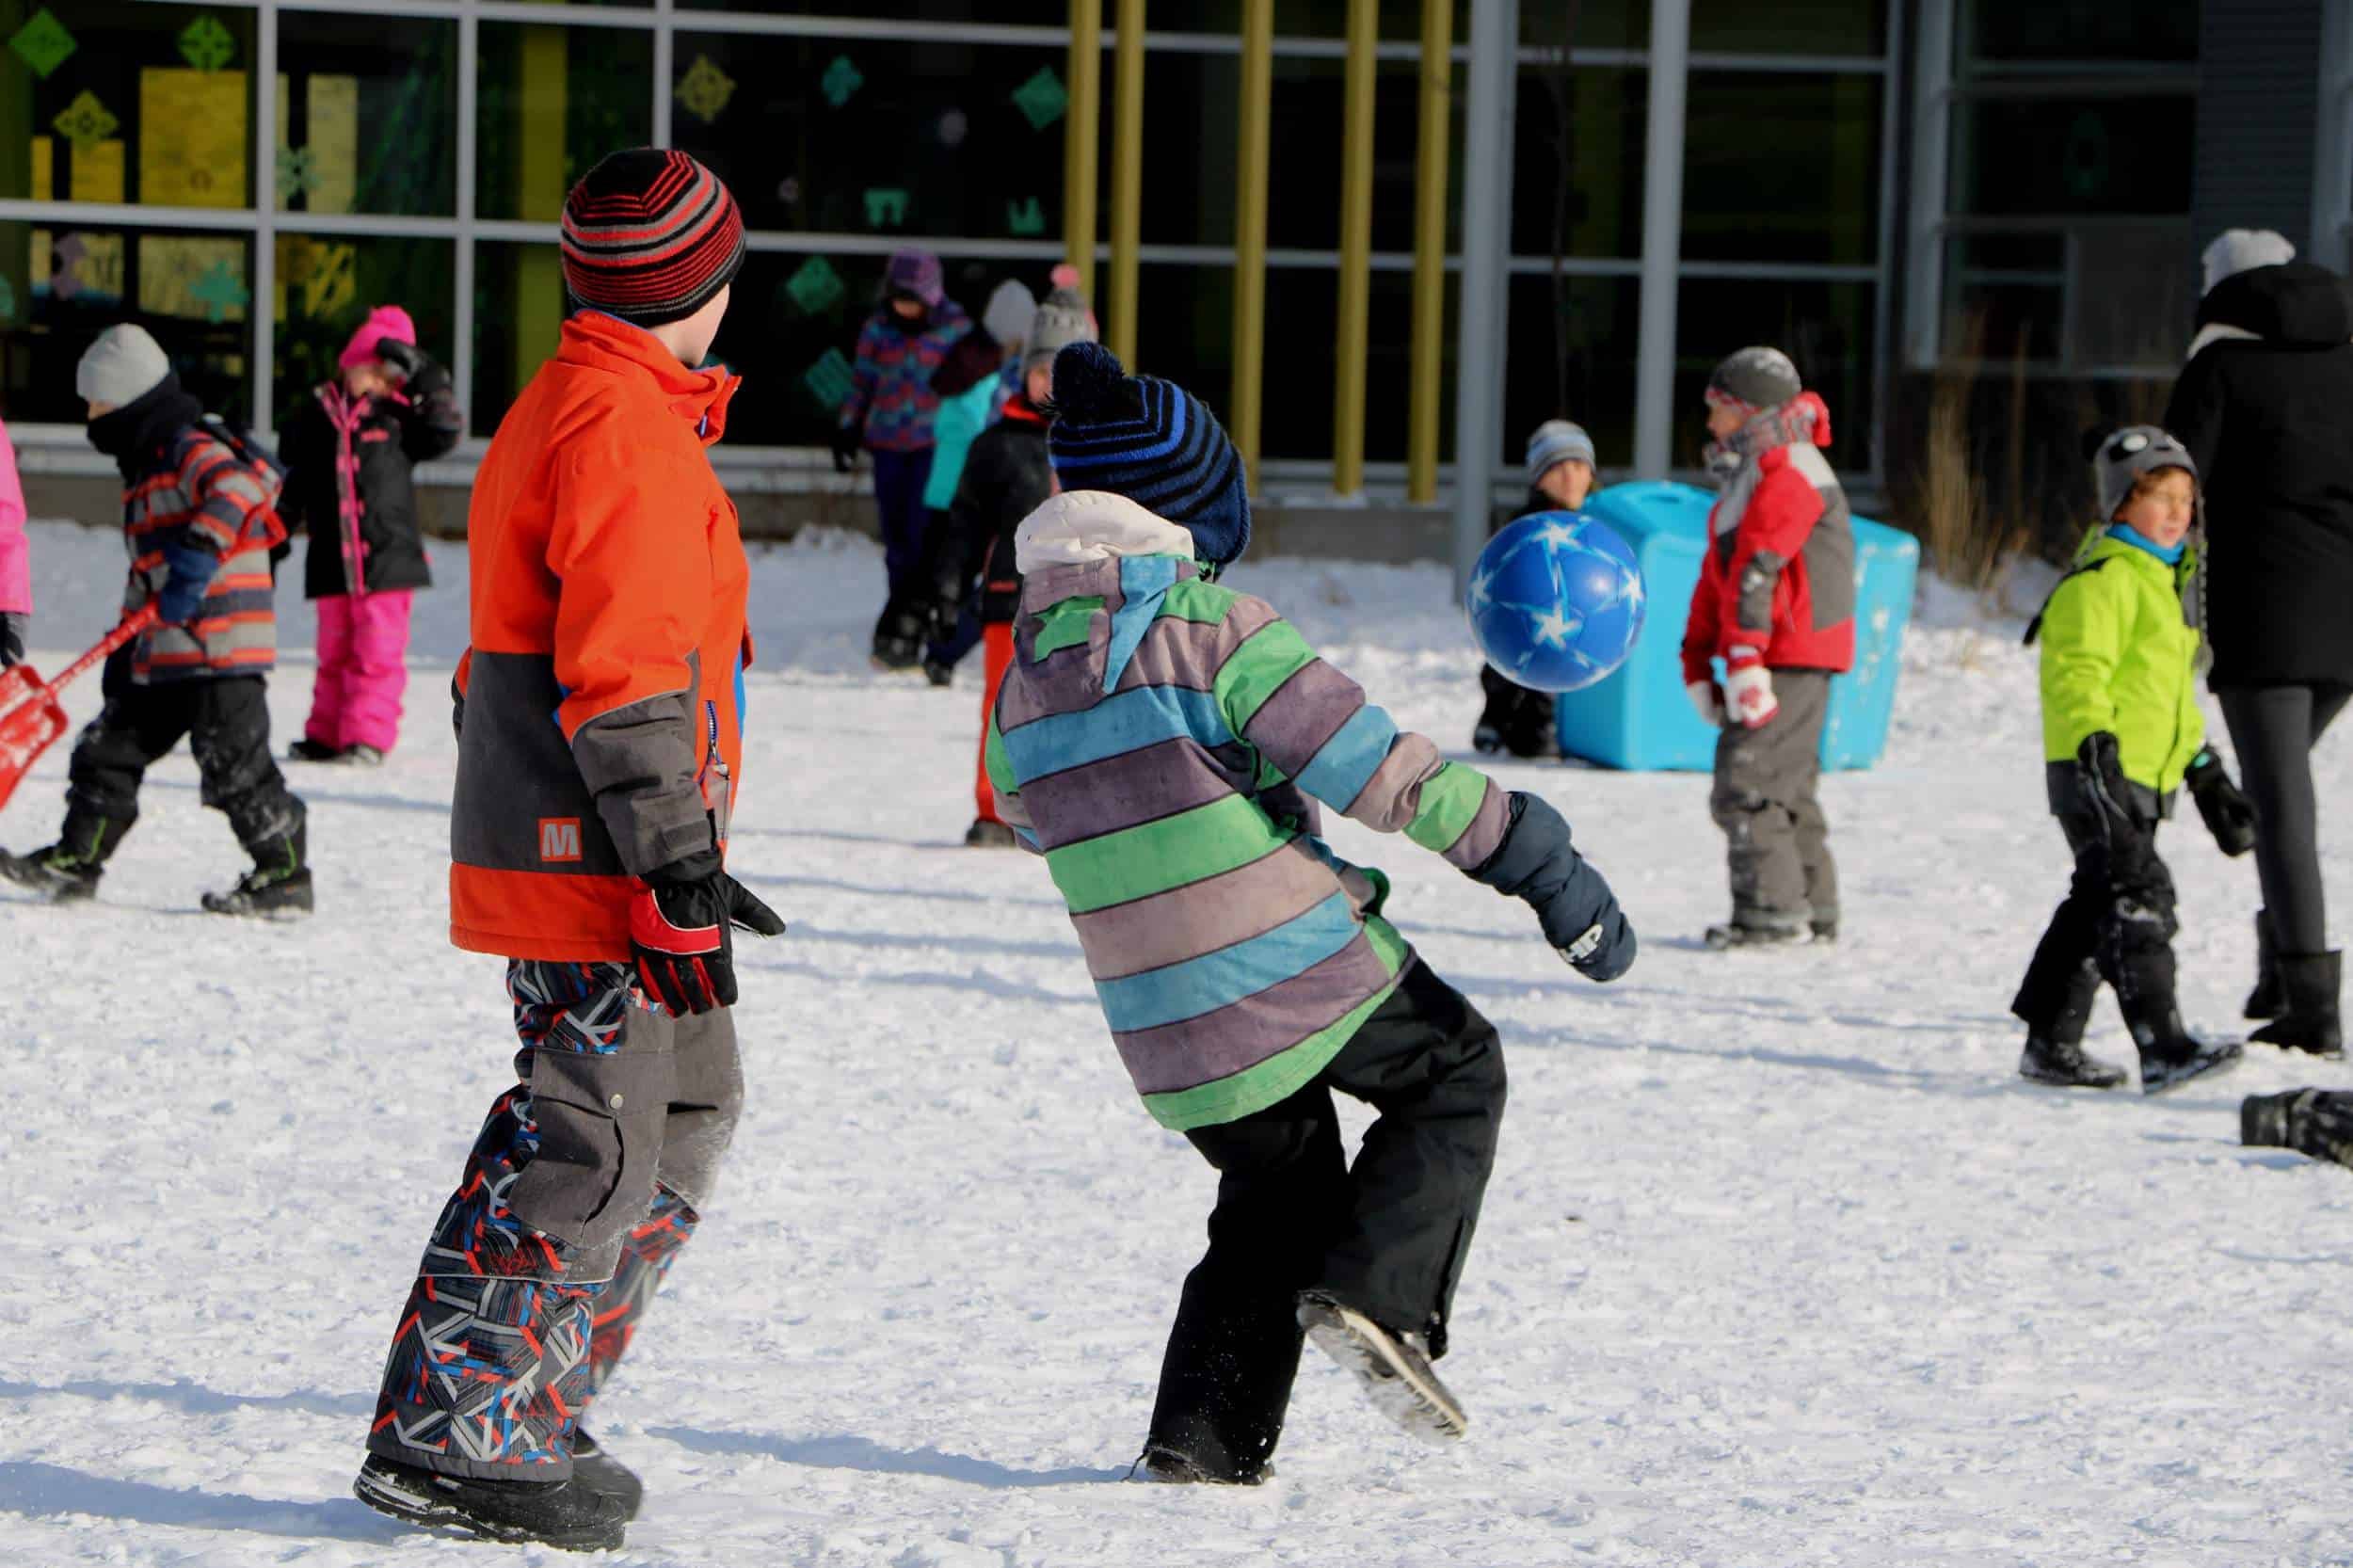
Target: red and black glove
{"points": [[680, 933]]}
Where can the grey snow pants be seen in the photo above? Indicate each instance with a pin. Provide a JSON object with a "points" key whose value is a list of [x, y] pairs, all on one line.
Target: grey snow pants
{"points": [[1777, 840]]}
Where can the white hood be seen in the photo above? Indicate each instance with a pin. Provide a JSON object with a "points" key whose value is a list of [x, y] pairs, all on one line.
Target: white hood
{"points": [[1077, 526]]}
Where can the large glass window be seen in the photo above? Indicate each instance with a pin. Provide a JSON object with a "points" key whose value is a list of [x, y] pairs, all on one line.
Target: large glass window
{"points": [[1782, 166], [550, 101], [367, 114], [1569, 353], [1576, 173], [191, 289], [111, 101], [911, 136]]}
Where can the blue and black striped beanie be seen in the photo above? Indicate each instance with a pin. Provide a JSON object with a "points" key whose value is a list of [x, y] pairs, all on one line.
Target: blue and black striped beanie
{"points": [[1151, 442]]}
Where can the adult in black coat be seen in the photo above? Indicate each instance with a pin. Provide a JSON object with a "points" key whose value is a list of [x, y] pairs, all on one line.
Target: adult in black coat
{"points": [[2264, 406]]}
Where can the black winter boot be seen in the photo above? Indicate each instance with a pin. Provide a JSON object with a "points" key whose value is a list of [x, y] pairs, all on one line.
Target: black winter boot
{"points": [[1160, 1462], [279, 885], [2265, 1000], [2065, 1065], [1752, 931], [68, 871], [596, 1469], [2316, 1122], [2308, 982], [563, 1513], [2170, 1055]]}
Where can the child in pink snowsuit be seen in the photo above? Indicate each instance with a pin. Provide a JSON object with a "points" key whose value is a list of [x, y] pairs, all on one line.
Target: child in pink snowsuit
{"points": [[16, 566], [349, 451]]}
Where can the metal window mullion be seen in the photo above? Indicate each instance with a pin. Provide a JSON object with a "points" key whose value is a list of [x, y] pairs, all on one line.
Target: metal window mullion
{"points": [[1931, 140], [461, 276], [1782, 272], [264, 311], [1883, 299], [664, 69], [93, 214], [1662, 239]]}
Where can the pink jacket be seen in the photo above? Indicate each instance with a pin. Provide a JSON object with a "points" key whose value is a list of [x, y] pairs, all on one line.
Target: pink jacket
{"points": [[16, 565]]}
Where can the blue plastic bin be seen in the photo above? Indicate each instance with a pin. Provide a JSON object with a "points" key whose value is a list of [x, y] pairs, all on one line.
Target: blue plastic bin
{"points": [[1639, 716]]}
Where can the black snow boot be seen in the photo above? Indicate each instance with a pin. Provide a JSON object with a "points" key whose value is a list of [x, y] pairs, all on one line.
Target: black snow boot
{"points": [[68, 871], [1751, 930], [2308, 982], [1393, 1367], [2267, 1000], [2316, 1122], [279, 885], [593, 1467], [2065, 1065], [2170, 1055], [988, 833], [1165, 1464], [1824, 928], [562, 1514], [309, 750]]}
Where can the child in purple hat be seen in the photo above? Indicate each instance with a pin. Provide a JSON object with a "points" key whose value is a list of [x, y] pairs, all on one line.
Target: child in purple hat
{"points": [[890, 414]]}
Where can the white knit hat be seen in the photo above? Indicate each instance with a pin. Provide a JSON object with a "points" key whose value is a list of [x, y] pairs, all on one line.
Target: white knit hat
{"points": [[122, 366], [2237, 251]]}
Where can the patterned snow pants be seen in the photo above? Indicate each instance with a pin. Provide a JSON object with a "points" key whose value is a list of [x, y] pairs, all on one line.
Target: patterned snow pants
{"points": [[586, 1179]]}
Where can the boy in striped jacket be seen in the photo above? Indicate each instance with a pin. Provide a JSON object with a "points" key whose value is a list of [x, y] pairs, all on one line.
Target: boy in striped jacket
{"points": [[1164, 742], [199, 520]]}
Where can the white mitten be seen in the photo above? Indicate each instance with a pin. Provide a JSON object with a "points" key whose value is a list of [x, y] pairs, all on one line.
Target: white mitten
{"points": [[1748, 689], [1708, 701]]}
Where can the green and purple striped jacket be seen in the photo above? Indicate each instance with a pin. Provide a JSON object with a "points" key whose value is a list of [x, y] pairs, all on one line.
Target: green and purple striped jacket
{"points": [[1164, 740]]}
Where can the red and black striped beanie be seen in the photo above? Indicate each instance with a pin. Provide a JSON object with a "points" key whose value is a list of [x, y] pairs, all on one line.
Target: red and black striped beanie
{"points": [[650, 236]]}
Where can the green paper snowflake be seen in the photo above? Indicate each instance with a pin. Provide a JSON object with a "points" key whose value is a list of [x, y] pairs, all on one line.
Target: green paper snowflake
{"points": [[42, 44]]}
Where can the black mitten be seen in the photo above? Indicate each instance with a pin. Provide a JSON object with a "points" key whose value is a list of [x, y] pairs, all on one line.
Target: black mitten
{"points": [[2230, 815], [1573, 902]]}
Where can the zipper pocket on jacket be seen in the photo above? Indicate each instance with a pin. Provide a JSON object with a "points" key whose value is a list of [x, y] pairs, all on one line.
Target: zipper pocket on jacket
{"points": [[723, 807]]}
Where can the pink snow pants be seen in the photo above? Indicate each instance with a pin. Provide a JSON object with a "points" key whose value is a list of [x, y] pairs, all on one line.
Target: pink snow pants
{"points": [[363, 652]]}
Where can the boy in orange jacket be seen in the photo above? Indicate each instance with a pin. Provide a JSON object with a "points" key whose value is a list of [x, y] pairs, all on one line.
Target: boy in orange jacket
{"points": [[609, 584]]}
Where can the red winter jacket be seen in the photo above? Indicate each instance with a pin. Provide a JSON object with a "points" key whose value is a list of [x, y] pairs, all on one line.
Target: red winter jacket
{"points": [[1779, 575]]}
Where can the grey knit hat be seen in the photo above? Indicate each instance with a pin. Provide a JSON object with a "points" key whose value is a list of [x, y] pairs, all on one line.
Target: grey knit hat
{"points": [[1557, 441], [1062, 320], [1006, 317], [1755, 378], [2237, 251], [122, 366], [2128, 453]]}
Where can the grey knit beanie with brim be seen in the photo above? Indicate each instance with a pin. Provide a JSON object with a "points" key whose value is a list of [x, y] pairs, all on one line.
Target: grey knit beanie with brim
{"points": [[1755, 378], [1557, 441], [121, 367], [2120, 460], [1062, 320]]}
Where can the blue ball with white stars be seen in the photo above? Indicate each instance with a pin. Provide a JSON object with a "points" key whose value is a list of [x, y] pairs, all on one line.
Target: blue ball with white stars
{"points": [[1556, 601]]}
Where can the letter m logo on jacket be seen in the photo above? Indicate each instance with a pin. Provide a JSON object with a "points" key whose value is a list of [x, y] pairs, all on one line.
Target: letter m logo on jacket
{"points": [[559, 838]]}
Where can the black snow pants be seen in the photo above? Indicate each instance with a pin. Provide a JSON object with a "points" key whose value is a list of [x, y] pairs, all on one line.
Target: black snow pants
{"points": [[226, 721], [2274, 728], [587, 1178], [1777, 840], [2116, 923], [1386, 1235]]}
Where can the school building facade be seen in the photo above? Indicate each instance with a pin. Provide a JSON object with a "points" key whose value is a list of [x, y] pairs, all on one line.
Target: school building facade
{"points": [[1567, 206]]}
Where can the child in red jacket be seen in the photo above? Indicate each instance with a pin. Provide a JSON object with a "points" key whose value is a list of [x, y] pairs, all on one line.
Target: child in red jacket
{"points": [[1776, 603]]}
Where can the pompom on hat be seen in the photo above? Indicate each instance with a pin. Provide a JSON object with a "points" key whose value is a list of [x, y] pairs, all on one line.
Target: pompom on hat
{"points": [[1151, 442], [650, 236]]}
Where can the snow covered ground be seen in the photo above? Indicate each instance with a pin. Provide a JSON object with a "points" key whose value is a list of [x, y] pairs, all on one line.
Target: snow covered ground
{"points": [[1781, 1264]]}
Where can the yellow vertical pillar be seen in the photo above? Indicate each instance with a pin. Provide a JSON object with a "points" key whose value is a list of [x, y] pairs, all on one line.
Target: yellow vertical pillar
{"points": [[1350, 357], [539, 184], [1428, 331], [1080, 132], [1257, 104], [1127, 177]]}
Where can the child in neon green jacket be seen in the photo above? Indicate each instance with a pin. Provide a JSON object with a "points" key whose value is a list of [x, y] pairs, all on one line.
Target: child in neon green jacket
{"points": [[2121, 734]]}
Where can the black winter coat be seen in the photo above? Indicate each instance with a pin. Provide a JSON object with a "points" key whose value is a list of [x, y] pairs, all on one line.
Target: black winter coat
{"points": [[1007, 475], [2269, 418], [387, 439]]}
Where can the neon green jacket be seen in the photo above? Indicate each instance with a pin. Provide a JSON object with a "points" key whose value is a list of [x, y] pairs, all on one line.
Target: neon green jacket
{"points": [[2117, 655]]}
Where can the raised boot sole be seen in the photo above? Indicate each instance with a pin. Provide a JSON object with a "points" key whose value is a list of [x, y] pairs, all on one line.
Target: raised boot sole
{"points": [[1409, 1394], [395, 1496], [2158, 1078]]}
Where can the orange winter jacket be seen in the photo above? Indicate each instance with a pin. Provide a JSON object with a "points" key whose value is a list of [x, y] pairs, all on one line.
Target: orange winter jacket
{"points": [[600, 702]]}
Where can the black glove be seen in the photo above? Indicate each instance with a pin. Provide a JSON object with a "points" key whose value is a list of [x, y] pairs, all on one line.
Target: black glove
{"points": [[2100, 769], [847, 439], [406, 357], [681, 927], [2230, 815], [1579, 915]]}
